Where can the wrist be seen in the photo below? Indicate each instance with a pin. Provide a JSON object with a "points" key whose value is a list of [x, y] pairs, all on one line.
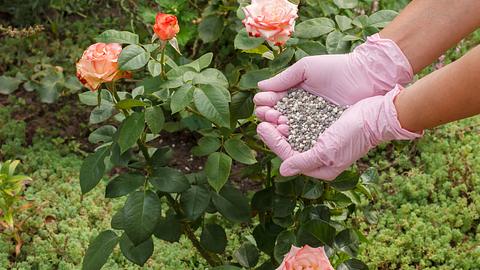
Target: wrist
{"points": [[384, 63], [398, 115]]}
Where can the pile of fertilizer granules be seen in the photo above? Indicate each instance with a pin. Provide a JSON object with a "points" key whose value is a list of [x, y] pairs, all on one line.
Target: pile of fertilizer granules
{"points": [[308, 117]]}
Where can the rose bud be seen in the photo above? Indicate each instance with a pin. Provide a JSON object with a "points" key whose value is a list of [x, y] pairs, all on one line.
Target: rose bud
{"points": [[166, 26]]}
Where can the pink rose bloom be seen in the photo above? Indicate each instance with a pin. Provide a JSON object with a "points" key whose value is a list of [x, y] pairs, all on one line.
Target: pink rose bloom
{"points": [[307, 258], [273, 20], [99, 64]]}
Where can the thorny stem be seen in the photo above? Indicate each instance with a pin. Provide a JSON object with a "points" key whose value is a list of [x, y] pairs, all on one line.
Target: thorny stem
{"points": [[212, 259], [162, 60]]}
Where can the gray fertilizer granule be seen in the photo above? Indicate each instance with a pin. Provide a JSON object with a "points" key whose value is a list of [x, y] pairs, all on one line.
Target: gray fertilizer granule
{"points": [[308, 117]]}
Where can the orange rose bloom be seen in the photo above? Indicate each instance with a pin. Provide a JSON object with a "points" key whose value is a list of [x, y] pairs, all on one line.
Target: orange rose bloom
{"points": [[166, 26], [99, 64]]}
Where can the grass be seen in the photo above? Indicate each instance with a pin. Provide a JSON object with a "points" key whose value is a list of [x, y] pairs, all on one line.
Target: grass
{"points": [[60, 223], [428, 208], [429, 214]]}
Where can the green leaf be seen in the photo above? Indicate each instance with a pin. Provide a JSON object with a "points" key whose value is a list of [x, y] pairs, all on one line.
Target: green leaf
{"points": [[381, 18], [348, 242], [232, 204], [118, 159], [99, 250], [211, 28], [117, 220], [131, 130], [283, 206], [90, 98], [154, 67], [250, 79], [312, 190], [247, 255], [124, 184], [212, 76], [206, 145], [212, 103], [283, 244], [321, 212], [114, 36], [137, 254], [161, 157], [344, 22], [92, 170], [265, 236], [240, 151], [181, 98], [132, 57], [102, 134], [202, 62], [73, 84], [346, 181], [129, 103], [194, 201], [213, 238], [336, 44], [315, 233], [217, 169], [155, 118], [370, 176], [49, 88], [101, 113], [244, 42], [168, 229], [283, 59], [352, 264], [8, 84], [242, 105], [314, 28], [169, 180], [346, 4], [263, 200], [360, 21], [141, 212]]}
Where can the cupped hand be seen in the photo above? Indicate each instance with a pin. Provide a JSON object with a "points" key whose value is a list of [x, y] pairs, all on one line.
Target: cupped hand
{"points": [[361, 127], [373, 68]]}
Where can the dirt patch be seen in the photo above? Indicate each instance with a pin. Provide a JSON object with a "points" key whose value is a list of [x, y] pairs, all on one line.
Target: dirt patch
{"points": [[67, 118]]}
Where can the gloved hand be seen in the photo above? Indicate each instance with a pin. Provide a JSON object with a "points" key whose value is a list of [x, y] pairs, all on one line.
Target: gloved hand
{"points": [[361, 127], [371, 69]]}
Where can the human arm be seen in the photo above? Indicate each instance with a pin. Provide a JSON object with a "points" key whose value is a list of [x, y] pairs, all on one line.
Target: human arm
{"points": [[443, 96], [446, 95], [427, 28], [415, 38]]}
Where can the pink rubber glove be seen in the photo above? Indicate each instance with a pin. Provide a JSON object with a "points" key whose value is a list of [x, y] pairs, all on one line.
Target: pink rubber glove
{"points": [[361, 127], [373, 68]]}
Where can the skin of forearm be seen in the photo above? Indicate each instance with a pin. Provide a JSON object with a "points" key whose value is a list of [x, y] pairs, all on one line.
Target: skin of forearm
{"points": [[427, 28], [446, 95]]}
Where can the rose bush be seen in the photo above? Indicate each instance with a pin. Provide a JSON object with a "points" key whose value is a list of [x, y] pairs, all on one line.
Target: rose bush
{"points": [[211, 98]]}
